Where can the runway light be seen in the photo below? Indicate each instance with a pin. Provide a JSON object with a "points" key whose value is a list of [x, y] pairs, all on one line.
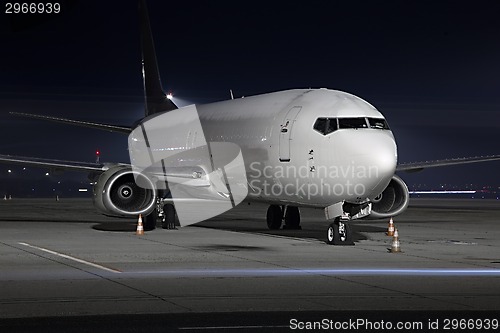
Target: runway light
{"points": [[47, 174], [9, 171]]}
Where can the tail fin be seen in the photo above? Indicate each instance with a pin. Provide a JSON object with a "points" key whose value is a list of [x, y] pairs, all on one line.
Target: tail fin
{"points": [[156, 101]]}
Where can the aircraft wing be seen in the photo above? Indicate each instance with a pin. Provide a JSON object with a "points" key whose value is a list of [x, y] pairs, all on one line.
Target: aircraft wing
{"points": [[106, 127], [176, 174], [419, 166], [54, 164]]}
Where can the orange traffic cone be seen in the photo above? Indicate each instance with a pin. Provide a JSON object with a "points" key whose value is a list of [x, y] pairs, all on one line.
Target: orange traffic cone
{"points": [[10, 197], [390, 228], [396, 246], [5, 197], [140, 228]]}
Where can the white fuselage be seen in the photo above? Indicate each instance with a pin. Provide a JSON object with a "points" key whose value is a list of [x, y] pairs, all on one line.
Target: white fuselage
{"points": [[289, 162]]}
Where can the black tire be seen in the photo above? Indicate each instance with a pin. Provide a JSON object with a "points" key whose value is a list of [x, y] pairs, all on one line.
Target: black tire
{"points": [[150, 221], [292, 218], [169, 214], [339, 233], [330, 234], [274, 217]]}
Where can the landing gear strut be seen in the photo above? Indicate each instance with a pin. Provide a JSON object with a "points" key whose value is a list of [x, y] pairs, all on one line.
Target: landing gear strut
{"points": [[339, 233]]}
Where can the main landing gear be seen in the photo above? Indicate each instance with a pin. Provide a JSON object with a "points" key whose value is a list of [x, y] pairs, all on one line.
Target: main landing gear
{"points": [[168, 221], [291, 214], [150, 221]]}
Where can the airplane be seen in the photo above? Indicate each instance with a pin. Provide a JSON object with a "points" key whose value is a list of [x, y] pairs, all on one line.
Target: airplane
{"points": [[316, 148]]}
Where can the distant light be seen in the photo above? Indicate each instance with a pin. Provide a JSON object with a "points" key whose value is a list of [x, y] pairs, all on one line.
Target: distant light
{"points": [[82, 190], [24, 168], [170, 96], [47, 174], [97, 152], [9, 171]]}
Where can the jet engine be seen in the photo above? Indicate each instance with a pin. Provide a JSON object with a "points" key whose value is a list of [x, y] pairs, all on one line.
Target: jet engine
{"points": [[116, 192], [392, 201]]}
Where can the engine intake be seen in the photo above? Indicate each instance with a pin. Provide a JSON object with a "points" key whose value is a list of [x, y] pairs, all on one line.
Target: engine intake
{"points": [[392, 201], [116, 192]]}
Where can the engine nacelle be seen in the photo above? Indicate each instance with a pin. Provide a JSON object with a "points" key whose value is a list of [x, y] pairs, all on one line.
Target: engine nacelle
{"points": [[116, 192], [392, 201]]}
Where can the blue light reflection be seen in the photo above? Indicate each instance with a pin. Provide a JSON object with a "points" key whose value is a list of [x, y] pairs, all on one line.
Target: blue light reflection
{"points": [[322, 271]]}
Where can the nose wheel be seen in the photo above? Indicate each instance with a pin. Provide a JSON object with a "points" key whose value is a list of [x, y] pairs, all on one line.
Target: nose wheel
{"points": [[339, 233]]}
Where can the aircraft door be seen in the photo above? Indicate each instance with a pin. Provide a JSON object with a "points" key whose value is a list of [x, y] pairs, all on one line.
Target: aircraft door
{"points": [[286, 133]]}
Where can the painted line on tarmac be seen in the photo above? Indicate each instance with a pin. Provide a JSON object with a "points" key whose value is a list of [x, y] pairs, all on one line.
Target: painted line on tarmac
{"points": [[65, 256]]}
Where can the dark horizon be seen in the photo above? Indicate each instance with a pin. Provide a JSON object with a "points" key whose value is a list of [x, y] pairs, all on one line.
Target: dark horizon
{"points": [[430, 68]]}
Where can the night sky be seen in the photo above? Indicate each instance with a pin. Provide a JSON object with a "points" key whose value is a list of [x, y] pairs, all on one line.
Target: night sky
{"points": [[431, 67]]}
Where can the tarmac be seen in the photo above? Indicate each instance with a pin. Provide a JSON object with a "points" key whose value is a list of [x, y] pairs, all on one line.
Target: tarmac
{"points": [[62, 261]]}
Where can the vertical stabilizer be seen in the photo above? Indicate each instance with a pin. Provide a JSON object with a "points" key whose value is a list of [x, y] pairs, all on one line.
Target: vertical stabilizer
{"points": [[156, 100]]}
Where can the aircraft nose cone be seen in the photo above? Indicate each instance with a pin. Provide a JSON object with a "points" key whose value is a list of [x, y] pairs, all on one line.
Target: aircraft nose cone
{"points": [[373, 157], [382, 155], [380, 159]]}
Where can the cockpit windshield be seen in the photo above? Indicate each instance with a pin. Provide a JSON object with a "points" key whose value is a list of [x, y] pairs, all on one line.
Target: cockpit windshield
{"points": [[326, 126], [352, 123]]}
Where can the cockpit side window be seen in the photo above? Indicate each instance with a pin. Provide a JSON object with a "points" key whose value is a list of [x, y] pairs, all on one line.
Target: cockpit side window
{"points": [[352, 123], [378, 123], [326, 125], [320, 125]]}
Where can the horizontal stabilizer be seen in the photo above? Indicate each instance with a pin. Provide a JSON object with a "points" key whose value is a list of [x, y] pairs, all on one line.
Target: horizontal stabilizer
{"points": [[419, 166], [106, 127]]}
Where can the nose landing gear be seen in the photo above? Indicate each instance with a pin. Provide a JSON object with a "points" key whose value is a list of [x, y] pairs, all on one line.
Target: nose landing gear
{"points": [[339, 233]]}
